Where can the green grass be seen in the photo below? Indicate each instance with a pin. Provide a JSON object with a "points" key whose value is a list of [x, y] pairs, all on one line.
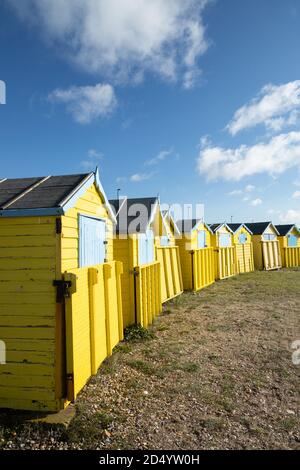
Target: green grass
{"points": [[136, 333]]}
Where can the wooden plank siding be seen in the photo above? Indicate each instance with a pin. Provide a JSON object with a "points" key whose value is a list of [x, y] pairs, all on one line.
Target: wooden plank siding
{"points": [[28, 266]]}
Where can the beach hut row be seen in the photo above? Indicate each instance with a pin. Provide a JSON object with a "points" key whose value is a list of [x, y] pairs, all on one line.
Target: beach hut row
{"points": [[76, 269]]}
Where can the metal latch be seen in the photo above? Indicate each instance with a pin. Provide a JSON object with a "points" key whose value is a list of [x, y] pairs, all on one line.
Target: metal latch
{"points": [[62, 289]]}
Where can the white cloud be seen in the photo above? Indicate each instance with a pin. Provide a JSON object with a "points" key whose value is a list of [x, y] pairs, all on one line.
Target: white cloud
{"points": [[256, 202], [86, 103], [123, 39], [249, 188], [275, 106], [121, 179], [162, 155], [92, 159], [235, 192], [290, 217], [296, 194], [138, 177], [273, 157]]}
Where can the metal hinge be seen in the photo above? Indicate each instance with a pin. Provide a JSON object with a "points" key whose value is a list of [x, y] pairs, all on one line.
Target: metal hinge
{"points": [[58, 226], [62, 289]]}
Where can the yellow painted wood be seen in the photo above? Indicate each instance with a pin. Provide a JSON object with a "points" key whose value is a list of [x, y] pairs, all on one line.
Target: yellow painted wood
{"points": [[291, 257], [225, 262], [202, 268], [171, 278], [244, 251], [93, 320], [148, 295]]}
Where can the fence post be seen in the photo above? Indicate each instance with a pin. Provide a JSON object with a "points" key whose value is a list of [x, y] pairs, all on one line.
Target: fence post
{"points": [[119, 272], [92, 280], [107, 275]]}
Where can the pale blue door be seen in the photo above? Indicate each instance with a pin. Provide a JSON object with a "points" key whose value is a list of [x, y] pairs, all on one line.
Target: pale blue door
{"points": [[146, 247], [242, 238], [201, 239], [224, 239], [292, 240], [91, 241], [164, 240]]}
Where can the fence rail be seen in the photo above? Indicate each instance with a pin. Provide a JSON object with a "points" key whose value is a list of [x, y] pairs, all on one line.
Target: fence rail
{"points": [[147, 293], [94, 322], [271, 255], [171, 278], [291, 257], [203, 268], [226, 264]]}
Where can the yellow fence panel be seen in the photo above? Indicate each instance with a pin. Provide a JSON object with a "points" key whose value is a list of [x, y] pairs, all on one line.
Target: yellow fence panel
{"points": [[171, 278], [271, 255], [94, 321], [147, 293], [226, 264], [203, 268], [291, 257], [244, 257]]}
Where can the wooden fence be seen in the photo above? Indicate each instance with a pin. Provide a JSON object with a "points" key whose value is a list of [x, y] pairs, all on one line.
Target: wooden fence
{"points": [[271, 255], [202, 268], [147, 289], [291, 257], [170, 269], [225, 260]]}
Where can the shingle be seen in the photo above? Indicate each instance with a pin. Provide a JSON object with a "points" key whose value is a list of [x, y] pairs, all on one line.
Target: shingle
{"points": [[49, 194]]}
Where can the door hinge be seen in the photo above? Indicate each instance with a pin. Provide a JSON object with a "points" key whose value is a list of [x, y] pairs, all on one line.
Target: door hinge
{"points": [[62, 289], [58, 226]]}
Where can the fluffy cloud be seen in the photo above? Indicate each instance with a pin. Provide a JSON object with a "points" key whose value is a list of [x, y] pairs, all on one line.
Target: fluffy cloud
{"points": [[275, 106], [290, 217], [296, 194], [138, 177], [123, 39], [256, 202], [273, 157], [86, 103]]}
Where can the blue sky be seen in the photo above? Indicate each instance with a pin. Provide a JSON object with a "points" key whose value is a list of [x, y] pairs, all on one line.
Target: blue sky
{"points": [[198, 101]]}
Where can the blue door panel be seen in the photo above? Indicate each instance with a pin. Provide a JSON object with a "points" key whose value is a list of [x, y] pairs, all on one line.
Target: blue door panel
{"points": [[91, 241], [292, 240], [242, 238], [201, 239], [146, 247], [224, 239]]}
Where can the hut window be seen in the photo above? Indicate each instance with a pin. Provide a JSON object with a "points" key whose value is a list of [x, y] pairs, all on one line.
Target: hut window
{"points": [[201, 239], [292, 240], [269, 237], [164, 241], [146, 247], [224, 239], [242, 238], [92, 233]]}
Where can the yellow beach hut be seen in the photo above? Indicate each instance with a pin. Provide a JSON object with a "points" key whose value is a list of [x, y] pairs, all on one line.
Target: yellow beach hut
{"points": [[242, 240], [60, 304], [266, 248], [134, 246], [225, 253], [289, 241], [196, 254]]}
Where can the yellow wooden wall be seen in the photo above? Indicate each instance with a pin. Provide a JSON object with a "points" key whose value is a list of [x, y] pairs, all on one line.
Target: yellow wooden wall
{"points": [[283, 242], [244, 251], [89, 204], [163, 228], [215, 236], [28, 266], [258, 248]]}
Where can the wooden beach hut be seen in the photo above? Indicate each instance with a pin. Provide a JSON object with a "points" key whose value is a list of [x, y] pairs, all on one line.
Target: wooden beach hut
{"points": [[144, 242], [196, 254], [242, 240], [225, 253], [60, 304], [266, 248], [289, 241]]}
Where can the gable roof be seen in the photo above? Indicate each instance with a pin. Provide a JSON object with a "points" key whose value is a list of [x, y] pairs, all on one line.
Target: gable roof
{"points": [[236, 227], [165, 214], [215, 227], [187, 225], [258, 228], [127, 213], [50, 195], [283, 230]]}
